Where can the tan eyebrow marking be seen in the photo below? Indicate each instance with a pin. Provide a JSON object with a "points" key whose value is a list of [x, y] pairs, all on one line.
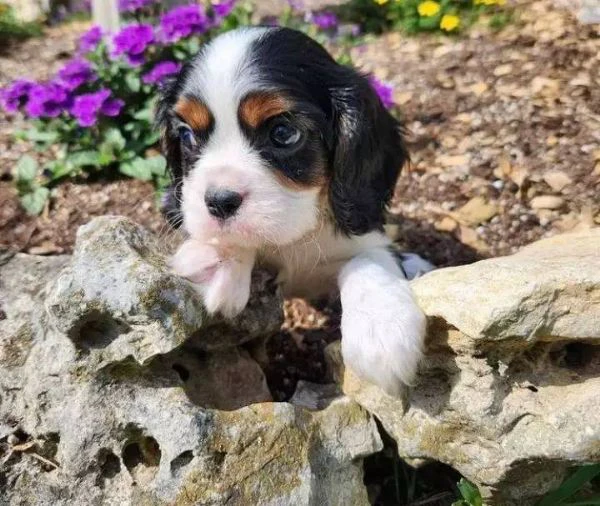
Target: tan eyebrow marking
{"points": [[259, 107], [194, 113]]}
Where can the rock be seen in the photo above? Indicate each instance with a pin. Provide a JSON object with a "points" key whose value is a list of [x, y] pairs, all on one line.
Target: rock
{"points": [[117, 388], [508, 391], [29, 10], [557, 180], [503, 70], [547, 202], [588, 11], [446, 224], [476, 211]]}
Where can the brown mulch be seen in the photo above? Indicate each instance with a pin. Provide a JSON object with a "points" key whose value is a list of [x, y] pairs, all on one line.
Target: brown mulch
{"points": [[53, 232], [498, 120], [505, 141]]}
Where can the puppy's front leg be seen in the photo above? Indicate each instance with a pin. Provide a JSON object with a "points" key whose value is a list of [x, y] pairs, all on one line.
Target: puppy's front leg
{"points": [[221, 274], [382, 326]]}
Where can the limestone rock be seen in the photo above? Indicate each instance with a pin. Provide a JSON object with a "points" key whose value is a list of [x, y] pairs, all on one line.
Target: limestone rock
{"points": [[508, 391], [117, 388], [29, 10]]}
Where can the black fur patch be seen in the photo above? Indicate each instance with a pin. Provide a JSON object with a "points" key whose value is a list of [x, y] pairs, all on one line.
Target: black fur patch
{"points": [[365, 149], [177, 159]]}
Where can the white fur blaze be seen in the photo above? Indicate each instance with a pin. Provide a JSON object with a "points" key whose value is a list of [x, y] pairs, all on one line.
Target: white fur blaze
{"points": [[382, 327]]}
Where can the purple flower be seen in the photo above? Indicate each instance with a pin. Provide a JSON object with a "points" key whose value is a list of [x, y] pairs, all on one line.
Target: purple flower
{"points": [[89, 40], [132, 41], [384, 91], [325, 20], [47, 100], [16, 95], [160, 71], [224, 8], [112, 107], [75, 73], [134, 5], [86, 108], [181, 22]]}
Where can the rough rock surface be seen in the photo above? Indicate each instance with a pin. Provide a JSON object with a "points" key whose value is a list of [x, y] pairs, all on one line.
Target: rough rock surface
{"points": [[116, 388], [508, 392], [29, 10]]}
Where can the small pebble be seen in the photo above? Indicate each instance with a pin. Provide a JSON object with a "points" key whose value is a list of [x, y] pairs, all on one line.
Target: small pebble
{"points": [[546, 202]]}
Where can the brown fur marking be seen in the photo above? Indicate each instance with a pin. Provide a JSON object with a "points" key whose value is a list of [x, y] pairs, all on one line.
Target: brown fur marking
{"points": [[194, 113], [259, 107], [320, 180]]}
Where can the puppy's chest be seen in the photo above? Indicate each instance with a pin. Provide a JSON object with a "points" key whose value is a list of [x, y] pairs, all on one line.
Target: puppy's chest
{"points": [[309, 268], [303, 271]]}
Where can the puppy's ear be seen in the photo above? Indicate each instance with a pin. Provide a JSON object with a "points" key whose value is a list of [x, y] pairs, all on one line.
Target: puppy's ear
{"points": [[368, 155], [171, 148]]}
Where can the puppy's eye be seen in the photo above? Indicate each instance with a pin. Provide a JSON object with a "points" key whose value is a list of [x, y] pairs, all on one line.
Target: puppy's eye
{"points": [[186, 136], [284, 135]]}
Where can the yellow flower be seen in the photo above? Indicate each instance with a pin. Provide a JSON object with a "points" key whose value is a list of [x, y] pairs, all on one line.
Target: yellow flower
{"points": [[449, 22], [428, 8], [381, 2]]}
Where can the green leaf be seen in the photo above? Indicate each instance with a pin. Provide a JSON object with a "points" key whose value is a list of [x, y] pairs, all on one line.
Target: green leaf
{"points": [[35, 135], [193, 45], [84, 159], [429, 23], [34, 201], [58, 169], [158, 165], [133, 82], [26, 169], [590, 501], [470, 493], [179, 54], [137, 168], [111, 148], [105, 158], [151, 138], [571, 485], [114, 138], [145, 114]]}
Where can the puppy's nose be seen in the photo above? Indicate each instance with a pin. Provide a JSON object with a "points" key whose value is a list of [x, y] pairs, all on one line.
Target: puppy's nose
{"points": [[222, 203]]}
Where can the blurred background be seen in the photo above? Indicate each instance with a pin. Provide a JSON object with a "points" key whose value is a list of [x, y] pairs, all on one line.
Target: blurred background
{"points": [[500, 98]]}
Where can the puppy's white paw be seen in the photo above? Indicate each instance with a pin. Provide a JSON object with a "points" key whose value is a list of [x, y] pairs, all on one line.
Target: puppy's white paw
{"points": [[221, 275], [382, 327]]}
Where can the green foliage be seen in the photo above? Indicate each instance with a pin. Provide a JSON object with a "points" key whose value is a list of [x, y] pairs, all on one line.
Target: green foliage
{"points": [[574, 490], [579, 489], [469, 493], [411, 16], [11, 28], [33, 196], [110, 146]]}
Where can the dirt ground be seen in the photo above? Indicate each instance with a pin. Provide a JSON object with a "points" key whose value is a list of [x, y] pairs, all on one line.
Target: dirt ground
{"points": [[504, 135]]}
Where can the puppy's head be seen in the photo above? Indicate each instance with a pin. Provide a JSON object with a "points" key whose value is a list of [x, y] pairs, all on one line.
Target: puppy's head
{"points": [[266, 136]]}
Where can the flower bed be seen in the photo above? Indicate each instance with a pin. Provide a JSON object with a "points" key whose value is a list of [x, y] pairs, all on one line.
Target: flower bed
{"points": [[98, 109], [448, 16]]}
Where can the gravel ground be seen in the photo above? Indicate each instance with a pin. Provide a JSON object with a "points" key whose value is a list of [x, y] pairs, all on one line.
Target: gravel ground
{"points": [[505, 139]]}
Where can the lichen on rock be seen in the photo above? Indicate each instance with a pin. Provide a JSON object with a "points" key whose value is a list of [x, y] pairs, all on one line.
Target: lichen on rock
{"points": [[116, 387], [508, 390]]}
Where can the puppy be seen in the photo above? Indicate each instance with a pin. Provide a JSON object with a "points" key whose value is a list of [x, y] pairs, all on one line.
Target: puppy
{"points": [[280, 156]]}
